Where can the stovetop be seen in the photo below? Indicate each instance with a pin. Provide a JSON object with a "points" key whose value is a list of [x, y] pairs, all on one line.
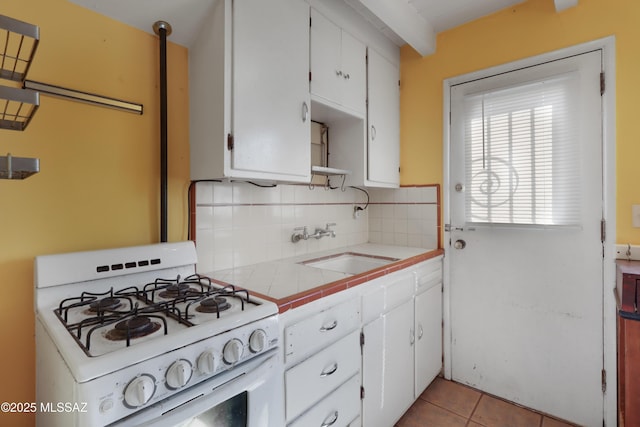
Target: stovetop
{"points": [[108, 321], [109, 309]]}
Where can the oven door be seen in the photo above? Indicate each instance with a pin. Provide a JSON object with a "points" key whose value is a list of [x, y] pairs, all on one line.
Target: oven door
{"points": [[250, 395]]}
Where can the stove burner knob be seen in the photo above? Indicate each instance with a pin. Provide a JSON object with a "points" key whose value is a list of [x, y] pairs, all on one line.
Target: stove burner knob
{"points": [[206, 363], [232, 351], [139, 391], [178, 374], [257, 341]]}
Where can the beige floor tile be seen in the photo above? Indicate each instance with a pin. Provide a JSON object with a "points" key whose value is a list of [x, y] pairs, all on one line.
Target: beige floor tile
{"points": [[423, 414], [492, 412], [452, 396]]}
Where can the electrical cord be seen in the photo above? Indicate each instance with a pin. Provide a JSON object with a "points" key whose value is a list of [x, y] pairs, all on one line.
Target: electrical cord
{"points": [[365, 192]]}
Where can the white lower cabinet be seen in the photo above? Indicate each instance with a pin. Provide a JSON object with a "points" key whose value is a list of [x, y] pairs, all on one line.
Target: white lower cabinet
{"points": [[316, 377], [428, 324], [339, 409], [322, 363], [388, 356], [428, 346], [362, 357], [402, 351]]}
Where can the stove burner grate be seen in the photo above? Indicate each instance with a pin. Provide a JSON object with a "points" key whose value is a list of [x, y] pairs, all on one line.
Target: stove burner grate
{"points": [[104, 304], [213, 305], [119, 317], [176, 291], [134, 327]]}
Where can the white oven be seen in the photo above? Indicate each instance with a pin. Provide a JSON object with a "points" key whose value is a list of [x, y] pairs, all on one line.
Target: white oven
{"points": [[244, 397], [133, 337]]}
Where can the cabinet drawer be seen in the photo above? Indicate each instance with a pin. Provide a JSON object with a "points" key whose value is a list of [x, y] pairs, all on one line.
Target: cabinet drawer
{"points": [[343, 406], [428, 275], [321, 329], [314, 378]]}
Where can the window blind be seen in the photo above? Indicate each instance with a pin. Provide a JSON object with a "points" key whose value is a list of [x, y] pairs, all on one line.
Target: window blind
{"points": [[522, 154]]}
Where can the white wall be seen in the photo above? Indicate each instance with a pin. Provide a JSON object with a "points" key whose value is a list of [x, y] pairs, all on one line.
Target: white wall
{"points": [[241, 224]]}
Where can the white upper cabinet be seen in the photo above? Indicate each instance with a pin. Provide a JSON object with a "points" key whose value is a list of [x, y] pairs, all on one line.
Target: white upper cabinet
{"points": [[383, 132], [249, 92], [338, 65]]}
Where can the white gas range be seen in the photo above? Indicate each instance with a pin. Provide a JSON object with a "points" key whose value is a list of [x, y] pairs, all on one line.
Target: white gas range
{"points": [[132, 336]]}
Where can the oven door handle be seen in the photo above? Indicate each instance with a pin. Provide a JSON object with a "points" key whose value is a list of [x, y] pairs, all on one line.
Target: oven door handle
{"points": [[330, 420]]}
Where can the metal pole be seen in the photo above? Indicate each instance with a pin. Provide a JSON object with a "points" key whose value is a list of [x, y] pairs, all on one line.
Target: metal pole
{"points": [[163, 29]]}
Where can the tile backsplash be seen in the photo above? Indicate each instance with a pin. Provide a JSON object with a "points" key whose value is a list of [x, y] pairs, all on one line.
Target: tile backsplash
{"points": [[238, 223]]}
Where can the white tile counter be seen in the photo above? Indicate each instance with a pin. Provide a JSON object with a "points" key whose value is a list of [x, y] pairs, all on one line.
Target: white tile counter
{"points": [[290, 283]]}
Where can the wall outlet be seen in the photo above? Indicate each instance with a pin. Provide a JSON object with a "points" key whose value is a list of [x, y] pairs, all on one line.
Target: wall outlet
{"points": [[357, 212], [635, 215]]}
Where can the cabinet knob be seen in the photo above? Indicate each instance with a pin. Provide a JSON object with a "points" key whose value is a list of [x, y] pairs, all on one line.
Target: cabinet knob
{"points": [[305, 112], [338, 73], [373, 132], [347, 76]]}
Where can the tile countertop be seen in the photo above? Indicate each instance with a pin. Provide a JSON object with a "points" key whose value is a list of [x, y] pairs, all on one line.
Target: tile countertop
{"points": [[290, 284]]}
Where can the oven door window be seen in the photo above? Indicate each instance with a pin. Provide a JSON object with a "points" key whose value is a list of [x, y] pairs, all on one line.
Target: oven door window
{"points": [[230, 413]]}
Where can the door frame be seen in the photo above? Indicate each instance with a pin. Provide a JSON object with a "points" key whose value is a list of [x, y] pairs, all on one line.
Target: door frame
{"points": [[607, 45]]}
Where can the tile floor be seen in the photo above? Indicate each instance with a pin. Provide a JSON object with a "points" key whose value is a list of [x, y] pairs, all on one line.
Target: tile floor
{"points": [[449, 404]]}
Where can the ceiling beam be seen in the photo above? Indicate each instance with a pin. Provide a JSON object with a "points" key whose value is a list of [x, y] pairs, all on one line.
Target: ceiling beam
{"points": [[404, 20], [565, 4]]}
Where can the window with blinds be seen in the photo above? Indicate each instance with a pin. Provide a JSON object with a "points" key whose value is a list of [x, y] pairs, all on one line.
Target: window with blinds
{"points": [[522, 155]]}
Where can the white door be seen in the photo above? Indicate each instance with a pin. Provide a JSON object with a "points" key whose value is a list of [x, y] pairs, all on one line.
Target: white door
{"points": [[387, 366], [271, 119], [325, 57], [526, 256], [354, 73], [383, 153]]}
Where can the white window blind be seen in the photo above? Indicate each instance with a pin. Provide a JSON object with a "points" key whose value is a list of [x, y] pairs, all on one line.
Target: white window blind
{"points": [[522, 154]]}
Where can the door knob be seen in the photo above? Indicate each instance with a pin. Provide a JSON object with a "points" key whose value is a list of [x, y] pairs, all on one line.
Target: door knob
{"points": [[459, 244]]}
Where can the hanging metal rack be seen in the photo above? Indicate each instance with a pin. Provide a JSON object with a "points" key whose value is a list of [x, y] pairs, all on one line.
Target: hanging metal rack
{"points": [[18, 44]]}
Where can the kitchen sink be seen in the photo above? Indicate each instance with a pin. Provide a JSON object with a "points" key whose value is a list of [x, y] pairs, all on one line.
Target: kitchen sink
{"points": [[349, 263]]}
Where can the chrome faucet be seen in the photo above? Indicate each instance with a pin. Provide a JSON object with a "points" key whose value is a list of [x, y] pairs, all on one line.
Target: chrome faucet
{"points": [[301, 233], [297, 236], [326, 232]]}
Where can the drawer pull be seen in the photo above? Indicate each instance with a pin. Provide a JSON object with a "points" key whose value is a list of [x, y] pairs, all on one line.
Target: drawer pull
{"points": [[420, 332], [329, 327], [330, 420], [329, 371]]}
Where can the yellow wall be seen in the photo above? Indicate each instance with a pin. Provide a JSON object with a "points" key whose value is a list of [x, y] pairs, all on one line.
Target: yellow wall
{"points": [[528, 29], [99, 180]]}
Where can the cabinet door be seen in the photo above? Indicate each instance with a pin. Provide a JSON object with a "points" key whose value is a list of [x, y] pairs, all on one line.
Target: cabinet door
{"points": [[384, 121], [326, 72], [387, 361], [270, 96], [428, 329], [354, 73]]}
